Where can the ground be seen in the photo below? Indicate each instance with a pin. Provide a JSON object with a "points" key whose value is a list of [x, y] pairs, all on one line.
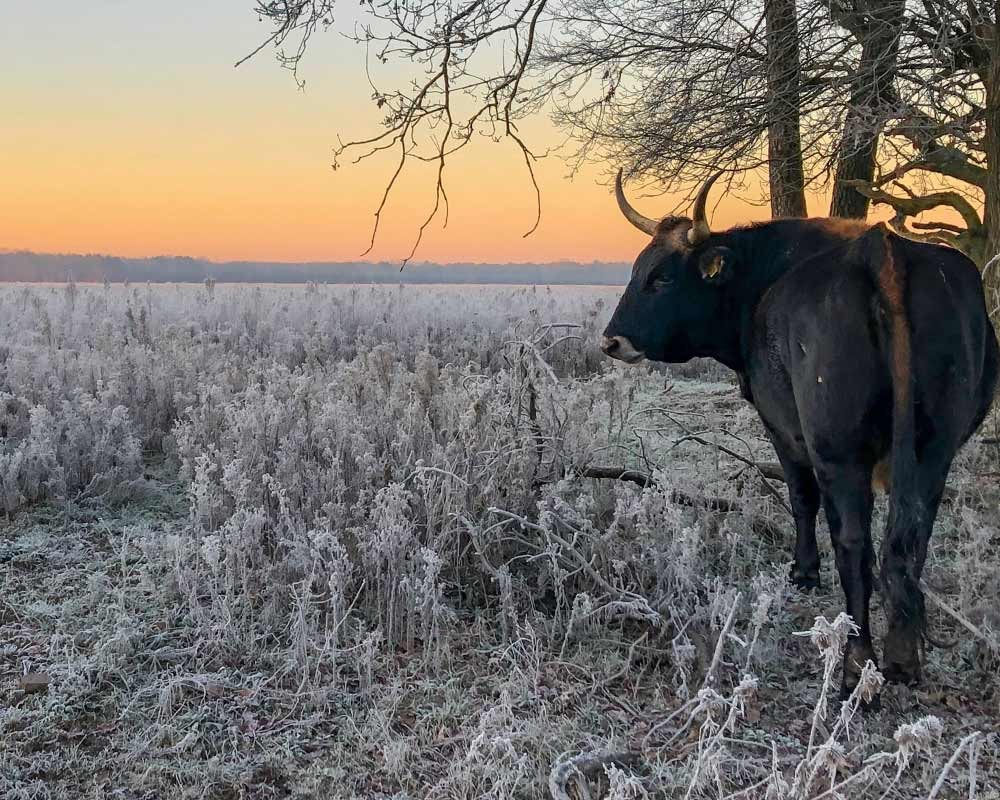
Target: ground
{"points": [[319, 542]]}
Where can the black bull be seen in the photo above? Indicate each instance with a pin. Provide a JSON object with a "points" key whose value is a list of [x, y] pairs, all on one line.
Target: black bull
{"points": [[857, 347]]}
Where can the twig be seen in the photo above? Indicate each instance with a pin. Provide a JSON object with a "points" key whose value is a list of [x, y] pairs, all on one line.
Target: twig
{"points": [[695, 437], [939, 601], [617, 474], [723, 635], [641, 478], [969, 740], [582, 767], [628, 664], [647, 612]]}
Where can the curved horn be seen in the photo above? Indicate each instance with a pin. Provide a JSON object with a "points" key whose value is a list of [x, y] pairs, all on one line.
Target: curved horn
{"points": [[700, 229], [644, 224]]}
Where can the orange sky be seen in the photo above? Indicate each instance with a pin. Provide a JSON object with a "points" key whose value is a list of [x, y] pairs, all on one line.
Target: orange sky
{"points": [[127, 131]]}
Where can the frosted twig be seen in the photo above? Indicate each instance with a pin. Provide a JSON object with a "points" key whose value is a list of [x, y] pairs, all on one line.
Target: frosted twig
{"points": [[582, 767], [420, 468], [723, 635], [639, 603], [969, 741], [962, 620]]}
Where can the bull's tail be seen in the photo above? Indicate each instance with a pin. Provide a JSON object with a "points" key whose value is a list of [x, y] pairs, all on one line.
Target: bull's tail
{"points": [[899, 578]]}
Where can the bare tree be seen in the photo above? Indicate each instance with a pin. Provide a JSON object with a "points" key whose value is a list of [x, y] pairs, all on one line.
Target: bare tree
{"points": [[678, 90], [788, 198], [991, 140], [876, 26], [674, 91], [941, 142]]}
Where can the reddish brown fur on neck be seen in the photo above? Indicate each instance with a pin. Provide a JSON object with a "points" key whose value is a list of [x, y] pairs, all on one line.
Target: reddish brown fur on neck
{"points": [[847, 228]]}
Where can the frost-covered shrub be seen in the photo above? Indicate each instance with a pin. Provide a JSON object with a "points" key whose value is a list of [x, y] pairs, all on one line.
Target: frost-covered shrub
{"points": [[86, 451], [160, 353], [399, 421], [377, 571], [29, 463]]}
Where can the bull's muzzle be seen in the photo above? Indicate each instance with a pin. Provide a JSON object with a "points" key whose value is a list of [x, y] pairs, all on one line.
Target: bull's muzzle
{"points": [[621, 348]]}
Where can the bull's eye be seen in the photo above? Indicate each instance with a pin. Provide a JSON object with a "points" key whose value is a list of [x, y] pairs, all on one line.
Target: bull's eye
{"points": [[661, 283]]}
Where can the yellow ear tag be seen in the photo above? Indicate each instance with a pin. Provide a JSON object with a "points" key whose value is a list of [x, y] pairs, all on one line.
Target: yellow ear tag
{"points": [[713, 267]]}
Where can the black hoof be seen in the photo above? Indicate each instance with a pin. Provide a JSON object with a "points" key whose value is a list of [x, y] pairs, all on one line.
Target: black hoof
{"points": [[905, 674], [901, 656], [805, 579]]}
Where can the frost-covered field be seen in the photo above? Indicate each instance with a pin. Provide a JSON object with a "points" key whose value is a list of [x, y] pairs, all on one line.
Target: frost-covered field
{"points": [[332, 542]]}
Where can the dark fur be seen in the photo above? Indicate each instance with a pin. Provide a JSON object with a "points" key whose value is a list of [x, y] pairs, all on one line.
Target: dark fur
{"points": [[855, 345]]}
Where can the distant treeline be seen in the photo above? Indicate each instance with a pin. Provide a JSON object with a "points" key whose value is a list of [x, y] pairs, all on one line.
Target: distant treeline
{"points": [[46, 268]]}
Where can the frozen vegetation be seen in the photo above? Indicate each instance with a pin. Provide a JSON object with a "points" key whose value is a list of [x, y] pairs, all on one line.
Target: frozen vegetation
{"points": [[334, 542]]}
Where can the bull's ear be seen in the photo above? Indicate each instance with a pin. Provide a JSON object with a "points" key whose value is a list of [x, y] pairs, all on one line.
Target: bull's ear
{"points": [[716, 264]]}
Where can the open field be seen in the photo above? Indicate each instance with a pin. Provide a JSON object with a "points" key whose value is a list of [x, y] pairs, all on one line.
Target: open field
{"points": [[332, 542]]}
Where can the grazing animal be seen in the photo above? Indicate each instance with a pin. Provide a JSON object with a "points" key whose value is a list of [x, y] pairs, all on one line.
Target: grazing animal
{"points": [[866, 355]]}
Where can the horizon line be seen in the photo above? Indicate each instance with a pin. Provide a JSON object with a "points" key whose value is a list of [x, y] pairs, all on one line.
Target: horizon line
{"points": [[395, 263]]}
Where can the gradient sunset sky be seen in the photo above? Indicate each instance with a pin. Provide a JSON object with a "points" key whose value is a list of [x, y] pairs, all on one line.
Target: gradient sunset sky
{"points": [[128, 131]]}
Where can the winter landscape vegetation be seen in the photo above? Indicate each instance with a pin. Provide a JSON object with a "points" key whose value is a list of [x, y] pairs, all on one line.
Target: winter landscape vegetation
{"points": [[336, 541], [283, 521]]}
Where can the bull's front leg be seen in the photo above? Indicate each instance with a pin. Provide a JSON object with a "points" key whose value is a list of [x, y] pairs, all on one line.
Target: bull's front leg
{"points": [[803, 491]]}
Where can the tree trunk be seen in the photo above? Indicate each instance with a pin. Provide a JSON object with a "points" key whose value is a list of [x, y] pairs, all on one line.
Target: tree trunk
{"points": [[872, 90], [784, 148], [991, 215]]}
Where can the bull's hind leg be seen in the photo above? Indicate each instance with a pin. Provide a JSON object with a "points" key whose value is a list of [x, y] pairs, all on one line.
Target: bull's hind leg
{"points": [[903, 557], [847, 501]]}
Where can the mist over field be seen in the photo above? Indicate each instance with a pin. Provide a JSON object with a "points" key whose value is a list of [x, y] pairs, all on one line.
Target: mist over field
{"points": [[336, 541], [22, 266]]}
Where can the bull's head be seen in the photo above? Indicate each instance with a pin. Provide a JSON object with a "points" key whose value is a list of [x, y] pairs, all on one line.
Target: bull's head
{"points": [[673, 303]]}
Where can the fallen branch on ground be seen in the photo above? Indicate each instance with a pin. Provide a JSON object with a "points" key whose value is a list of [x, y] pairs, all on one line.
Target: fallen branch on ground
{"points": [[695, 437], [681, 498], [962, 620], [641, 478], [771, 470]]}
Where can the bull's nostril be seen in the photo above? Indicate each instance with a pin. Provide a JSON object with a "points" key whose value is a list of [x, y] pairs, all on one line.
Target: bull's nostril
{"points": [[621, 349]]}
